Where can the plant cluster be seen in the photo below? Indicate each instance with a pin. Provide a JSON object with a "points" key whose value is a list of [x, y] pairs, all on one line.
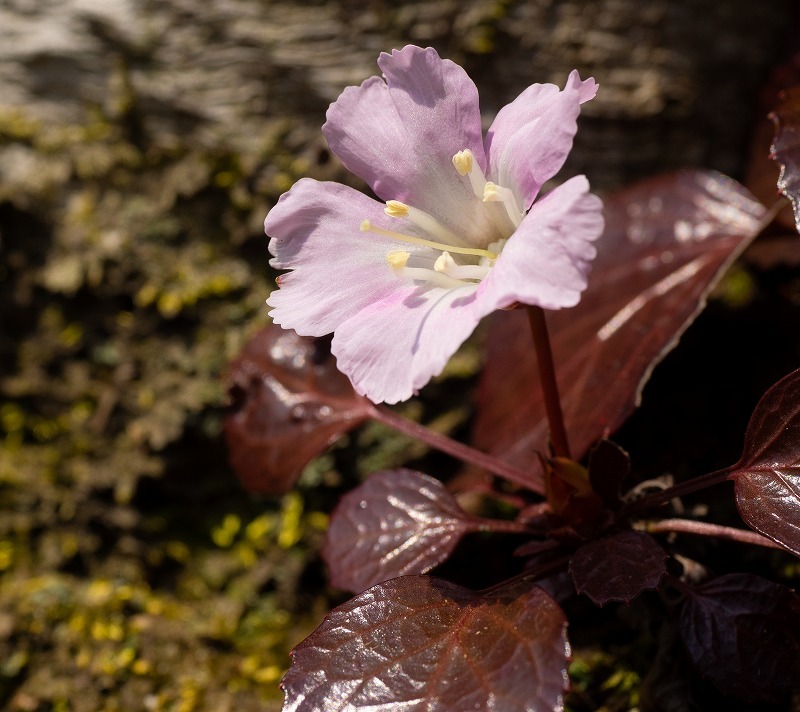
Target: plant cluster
{"points": [[464, 231]]}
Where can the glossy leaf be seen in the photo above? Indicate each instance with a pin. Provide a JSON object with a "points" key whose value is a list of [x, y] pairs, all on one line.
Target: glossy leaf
{"points": [[667, 242], [743, 632], [786, 144], [397, 522], [618, 568], [768, 474], [762, 172], [288, 403], [421, 644]]}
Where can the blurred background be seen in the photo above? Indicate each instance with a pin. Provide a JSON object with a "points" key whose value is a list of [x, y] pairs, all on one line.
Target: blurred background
{"points": [[142, 142]]}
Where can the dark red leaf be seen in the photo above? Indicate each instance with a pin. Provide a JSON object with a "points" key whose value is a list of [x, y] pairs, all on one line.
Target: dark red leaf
{"points": [[743, 632], [618, 568], [288, 403], [397, 522], [421, 644], [666, 243], [667, 687], [786, 144], [609, 465], [762, 172], [768, 475]]}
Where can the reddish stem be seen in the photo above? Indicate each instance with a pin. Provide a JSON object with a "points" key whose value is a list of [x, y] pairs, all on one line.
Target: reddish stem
{"points": [[534, 574], [690, 526], [462, 452], [679, 490], [508, 526], [547, 376]]}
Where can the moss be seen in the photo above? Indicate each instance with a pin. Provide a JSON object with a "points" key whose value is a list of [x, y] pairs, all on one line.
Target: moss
{"points": [[136, 574], [597, 675]]}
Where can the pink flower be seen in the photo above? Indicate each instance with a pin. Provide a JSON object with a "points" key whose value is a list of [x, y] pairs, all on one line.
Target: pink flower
{"points": [[402, 284]]}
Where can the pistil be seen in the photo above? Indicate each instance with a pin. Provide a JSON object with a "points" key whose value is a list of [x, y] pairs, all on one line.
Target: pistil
{"points": [[446, 272], [367, 226]]}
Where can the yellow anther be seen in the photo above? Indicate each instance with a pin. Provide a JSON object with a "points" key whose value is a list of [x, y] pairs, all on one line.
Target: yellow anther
{"points": [[396, 209], [463, 162], [491, 192], [398, 259]]}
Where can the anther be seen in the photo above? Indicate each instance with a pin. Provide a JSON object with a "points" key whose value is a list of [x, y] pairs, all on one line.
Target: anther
{"points": [[466, 165], [396, 209], [445, 264], [493, 193], [463, 162], [398, 259]]}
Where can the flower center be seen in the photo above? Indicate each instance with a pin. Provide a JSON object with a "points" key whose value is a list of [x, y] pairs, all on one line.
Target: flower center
{"points": [[436, 265]]}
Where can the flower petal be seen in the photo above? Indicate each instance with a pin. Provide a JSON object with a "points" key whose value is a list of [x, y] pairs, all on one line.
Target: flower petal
{"points": [[394, 347], [530, 138], [400, 135], [546, 261], [337, 269]]}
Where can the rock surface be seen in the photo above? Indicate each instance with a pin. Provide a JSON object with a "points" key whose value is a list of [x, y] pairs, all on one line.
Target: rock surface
{"points": [[679, 79]]}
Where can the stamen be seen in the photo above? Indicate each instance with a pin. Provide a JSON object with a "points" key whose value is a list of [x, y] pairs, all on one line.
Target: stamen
{"points": [[421, 274], [367, 226], [445, 264], [463, 162], [466, 165], [398, 259], [396, 209], [493, 193]]}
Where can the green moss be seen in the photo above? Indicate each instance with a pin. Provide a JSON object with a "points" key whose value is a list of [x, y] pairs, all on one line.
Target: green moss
{"points": [[132, 563], [602, 676]]}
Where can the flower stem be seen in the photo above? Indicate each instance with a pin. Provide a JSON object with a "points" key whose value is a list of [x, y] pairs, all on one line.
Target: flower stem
{"points": [[547, 376], [690, 526], [462, 452]]}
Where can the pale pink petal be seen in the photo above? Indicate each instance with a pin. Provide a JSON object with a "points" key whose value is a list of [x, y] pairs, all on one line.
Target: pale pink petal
{"points": [[392, 348], [400, 135], [530, 139], [337, 269], [546, 261]]}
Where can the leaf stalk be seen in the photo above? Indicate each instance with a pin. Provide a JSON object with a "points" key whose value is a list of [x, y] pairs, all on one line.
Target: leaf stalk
{"points": [[462, 452]]}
